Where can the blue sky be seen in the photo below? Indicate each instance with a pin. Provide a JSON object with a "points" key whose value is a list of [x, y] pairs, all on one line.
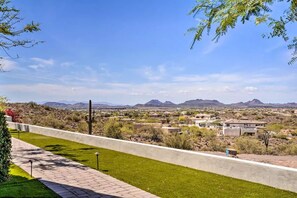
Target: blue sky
{"points": [[128, 52]]}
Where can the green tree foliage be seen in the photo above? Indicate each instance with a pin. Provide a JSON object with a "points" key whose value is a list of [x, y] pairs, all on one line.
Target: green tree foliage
{"points": [[224, 15], [11, 28], [3, 102], [5, 148]]}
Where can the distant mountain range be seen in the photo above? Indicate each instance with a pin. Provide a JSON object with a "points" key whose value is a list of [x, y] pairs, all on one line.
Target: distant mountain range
{"points": [[82, 105], [214, 103], [198, 103]]}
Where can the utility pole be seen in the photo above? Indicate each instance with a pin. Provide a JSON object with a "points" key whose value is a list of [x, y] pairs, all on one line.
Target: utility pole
{"points": [[90, 118]]}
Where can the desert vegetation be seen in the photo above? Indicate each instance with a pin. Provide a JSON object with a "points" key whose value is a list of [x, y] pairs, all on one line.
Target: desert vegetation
{"points": [[145, 125]]}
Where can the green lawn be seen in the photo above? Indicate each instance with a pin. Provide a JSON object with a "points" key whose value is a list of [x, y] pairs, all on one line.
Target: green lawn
{"points": [[162, 179], [20, 184]]}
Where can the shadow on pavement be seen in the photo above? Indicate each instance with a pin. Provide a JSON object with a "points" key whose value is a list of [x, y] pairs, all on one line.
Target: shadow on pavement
{"points": [[65, 190]]}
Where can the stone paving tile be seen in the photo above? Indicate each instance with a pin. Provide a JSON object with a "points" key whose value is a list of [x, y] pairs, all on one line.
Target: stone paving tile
{"points": [[68, 178]]}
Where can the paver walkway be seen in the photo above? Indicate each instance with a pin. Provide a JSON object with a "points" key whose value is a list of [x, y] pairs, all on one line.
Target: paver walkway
{"points": [[68, 178]]}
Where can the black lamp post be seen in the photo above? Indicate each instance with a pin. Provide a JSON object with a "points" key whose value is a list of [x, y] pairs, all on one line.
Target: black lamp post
{"points": [[97, 157], [31, 166]]}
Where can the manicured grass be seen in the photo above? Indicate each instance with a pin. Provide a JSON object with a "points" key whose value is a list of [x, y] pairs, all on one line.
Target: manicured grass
{"points": [[20, 184], [162, 179]]}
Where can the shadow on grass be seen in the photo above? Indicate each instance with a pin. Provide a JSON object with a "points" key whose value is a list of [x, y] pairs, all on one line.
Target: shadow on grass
{"points": [[87, 149], [19, 186], [55, 147]]}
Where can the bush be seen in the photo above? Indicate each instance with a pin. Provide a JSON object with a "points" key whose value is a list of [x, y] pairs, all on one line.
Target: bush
{"points": [[5, 145], [294, 133], [274, 127], [249, 145], [288, 149], [201, 132], [112, 129], [178, 141], [151, 133], [127, 128], [281, 136], [12, 114], [215, 145], [50, 121]]}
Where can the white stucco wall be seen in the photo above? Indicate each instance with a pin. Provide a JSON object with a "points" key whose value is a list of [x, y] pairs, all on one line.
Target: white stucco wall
{"points": [[271, 175], [8, 118]]}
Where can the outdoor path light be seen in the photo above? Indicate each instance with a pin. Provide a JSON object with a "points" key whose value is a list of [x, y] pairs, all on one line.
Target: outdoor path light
{"points": [[97, 157], [31, 166]]}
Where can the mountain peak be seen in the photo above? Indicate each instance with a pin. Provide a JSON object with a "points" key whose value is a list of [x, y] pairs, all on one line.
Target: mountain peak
{"points": [[255, 102], [153, 102]]}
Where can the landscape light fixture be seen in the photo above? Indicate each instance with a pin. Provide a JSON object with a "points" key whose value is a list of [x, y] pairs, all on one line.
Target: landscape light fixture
{"points": [[31, 162], [97, 157]]}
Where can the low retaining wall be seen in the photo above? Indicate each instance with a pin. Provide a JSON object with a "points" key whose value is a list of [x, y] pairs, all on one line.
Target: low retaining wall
{"points": [[271, 175]]}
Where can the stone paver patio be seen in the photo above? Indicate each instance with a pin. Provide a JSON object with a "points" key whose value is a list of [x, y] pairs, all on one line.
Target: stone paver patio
{"points": [[68, 178]]}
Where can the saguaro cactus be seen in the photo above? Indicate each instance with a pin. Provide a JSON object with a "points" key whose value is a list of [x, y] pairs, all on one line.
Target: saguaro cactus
{"points": [[5, 148], [90, 119], [266, 137]]}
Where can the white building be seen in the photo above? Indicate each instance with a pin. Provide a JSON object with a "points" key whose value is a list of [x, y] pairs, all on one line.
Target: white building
{"points": [[241, 127], [204, 121]]}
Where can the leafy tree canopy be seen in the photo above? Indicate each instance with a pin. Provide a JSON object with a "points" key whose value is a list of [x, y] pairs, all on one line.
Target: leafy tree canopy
{"points": [[11, 28], [225, 14], [3, 101]]}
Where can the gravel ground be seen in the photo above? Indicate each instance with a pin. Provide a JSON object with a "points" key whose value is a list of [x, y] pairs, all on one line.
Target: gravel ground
{"points": [[288, 160]]}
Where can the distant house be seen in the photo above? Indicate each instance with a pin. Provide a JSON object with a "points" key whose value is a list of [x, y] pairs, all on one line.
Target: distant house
{"points": [[241, 127], [204, 120]]}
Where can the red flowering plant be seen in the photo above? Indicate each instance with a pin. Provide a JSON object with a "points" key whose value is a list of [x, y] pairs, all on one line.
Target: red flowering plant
{"points": [[12, 114]]}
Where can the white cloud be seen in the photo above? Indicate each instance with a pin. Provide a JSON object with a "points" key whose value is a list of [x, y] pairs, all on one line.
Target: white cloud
{"points": [[7, 64], [208, 77], [251, 90], [154, 73], [41, 63]]}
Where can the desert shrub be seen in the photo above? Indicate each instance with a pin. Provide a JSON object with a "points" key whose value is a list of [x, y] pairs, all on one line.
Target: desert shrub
{"points": [[294, 133], [82, 126], [50, 121], [151, 133], [288, 149], [76, 118], [32, 104], [200, 132], [280, 136], [180, 141], [5, 145], [249, 145], [112, 129], [216, 145], [128, 128], [274, 127], [47, 108]]}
